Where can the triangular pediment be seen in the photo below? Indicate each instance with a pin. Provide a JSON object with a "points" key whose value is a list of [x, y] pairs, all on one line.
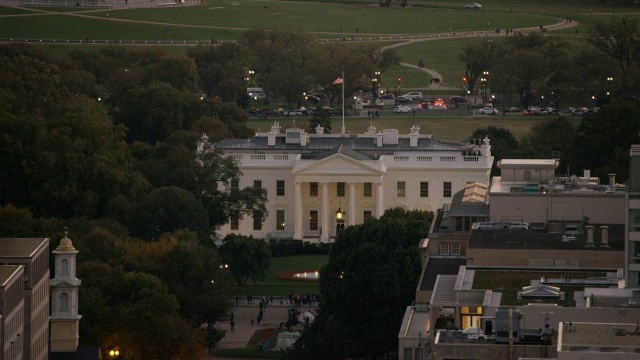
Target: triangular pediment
{"points": [[338, 164]]}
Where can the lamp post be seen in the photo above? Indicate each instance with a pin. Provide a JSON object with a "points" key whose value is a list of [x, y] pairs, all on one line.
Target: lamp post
{"points": [[376, 84], [304, 94], [484, 80], [468, 96], [251, 75], [339, 220], [114, 353]]}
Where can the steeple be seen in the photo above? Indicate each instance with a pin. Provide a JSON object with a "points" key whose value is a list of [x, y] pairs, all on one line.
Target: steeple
{"points": [[65, 321]]}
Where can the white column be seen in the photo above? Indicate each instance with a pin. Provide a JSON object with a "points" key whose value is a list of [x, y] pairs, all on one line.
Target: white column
{"points": [[325, 213], [352, 203], [297, 211], [379, 200]]}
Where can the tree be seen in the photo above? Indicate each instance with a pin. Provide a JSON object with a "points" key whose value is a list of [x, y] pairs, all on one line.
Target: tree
{"points": [[179, 71], [477, 59], [620, 40], [247, 257], [214, 180], [603, 139], [221, 69], [503, 144], [554, 134], [166, 209], [320, 117], [363, 305]]}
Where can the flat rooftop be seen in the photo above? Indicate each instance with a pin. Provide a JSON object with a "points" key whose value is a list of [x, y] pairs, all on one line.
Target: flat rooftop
{"points": [[20, 247], [598, 337], [6, 271]]}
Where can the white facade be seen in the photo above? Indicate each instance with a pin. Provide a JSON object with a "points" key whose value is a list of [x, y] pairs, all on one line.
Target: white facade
{"points": [[309, 177]]}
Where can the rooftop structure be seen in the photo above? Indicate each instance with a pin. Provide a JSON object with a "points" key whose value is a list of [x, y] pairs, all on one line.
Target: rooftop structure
{"points": [[598, 341]]}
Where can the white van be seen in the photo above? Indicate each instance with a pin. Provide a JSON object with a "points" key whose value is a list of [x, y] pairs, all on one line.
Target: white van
{"points": [[257, 93]]}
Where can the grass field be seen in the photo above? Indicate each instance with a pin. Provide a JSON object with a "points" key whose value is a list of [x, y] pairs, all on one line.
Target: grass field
{"points": [[448, 128], [272, 285]]}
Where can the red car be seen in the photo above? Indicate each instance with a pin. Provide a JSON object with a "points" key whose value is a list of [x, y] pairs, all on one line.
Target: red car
{"points": [[529, 112]]}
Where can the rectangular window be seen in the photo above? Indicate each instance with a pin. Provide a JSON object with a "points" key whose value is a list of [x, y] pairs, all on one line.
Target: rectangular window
{"points": [[446, 189], [444, 248], [313, 189], [313, 220], [367, 191], [424, 189], [458, 223], [400, 189], [257, 184], [234, 221], [455, 249], [340, 189], [257, 220], [280, 219], [634, 220], [280, 188], [235, 185], [366, 215]]}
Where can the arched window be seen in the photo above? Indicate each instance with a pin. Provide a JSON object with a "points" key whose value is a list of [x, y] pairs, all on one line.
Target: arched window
{"points": [[64, 301], [65, 267]]}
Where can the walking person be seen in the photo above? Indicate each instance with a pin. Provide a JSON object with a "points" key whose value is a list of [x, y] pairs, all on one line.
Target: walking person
{"points": [[251, 320]]}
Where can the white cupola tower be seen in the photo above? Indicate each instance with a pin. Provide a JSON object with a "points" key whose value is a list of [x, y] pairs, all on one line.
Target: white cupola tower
{"points": [[65, 321]]}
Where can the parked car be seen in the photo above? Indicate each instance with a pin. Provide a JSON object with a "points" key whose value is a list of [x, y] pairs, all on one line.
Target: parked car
{"points": [[569, 109], [488, 110], [473, 6], [530, 112], [457, 99], [386, 99], [512, 109], [402, 100], [401, 109], [268, 112], [414, 95], [313, 98]]}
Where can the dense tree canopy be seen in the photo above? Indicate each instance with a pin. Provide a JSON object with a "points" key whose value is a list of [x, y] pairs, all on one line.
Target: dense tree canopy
{"points": [[362, 304]]}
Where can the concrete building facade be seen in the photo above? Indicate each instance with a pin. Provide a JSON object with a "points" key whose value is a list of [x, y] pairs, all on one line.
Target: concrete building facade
{"points": [[310, 178], [632, 221], [33, 255], [11, 312]]}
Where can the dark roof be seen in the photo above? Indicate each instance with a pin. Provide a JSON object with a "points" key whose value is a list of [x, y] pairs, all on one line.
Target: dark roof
{"points": [[84, 352], [541, 239], [342, 149], [440, 266], [318, 144]]}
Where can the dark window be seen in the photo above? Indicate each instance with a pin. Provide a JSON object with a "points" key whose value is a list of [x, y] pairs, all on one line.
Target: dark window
{"points": [[367, 190], [313, 189], [446, 189], [257, 220], [257, 184], [235, 185], [400, 189], [235, 221], [280, 188], [367, 215], [340, 189], [424, 189]]}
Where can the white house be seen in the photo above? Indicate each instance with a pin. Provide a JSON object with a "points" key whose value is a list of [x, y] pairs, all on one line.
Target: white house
{"points": [[319, 183]]}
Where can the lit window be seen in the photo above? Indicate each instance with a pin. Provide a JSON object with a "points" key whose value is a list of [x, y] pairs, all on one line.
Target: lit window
{"points": [[424, 189], [280, 188], [401, 191], [280, 219], [313, 220]]}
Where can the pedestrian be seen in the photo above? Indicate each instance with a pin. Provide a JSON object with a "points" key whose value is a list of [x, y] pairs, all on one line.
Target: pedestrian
{"points": [[377, 113], [369, 113], [233, 325], [251, 320], [414, 112]]}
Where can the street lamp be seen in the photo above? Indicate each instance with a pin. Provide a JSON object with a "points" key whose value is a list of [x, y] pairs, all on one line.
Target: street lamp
{"points": [[376, 84], [114, 353], [251, 75], [468, 96], [305, 99]]}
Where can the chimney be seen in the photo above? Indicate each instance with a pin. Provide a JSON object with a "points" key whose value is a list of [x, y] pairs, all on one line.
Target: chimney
{"points": [[379, 139], [612, 181], [319, 130], [589, 236], [413, 135], [605, 236], [271, 136], [371, 130]]}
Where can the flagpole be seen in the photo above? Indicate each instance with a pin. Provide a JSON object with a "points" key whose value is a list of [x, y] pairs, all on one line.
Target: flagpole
{"points": [[343, 129]]}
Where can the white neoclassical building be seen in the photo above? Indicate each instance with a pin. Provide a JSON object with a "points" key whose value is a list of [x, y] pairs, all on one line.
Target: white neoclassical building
{"points": [[319, 183]]}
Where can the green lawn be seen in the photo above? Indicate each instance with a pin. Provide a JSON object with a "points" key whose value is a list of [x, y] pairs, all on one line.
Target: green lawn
{"points": [[449, 128], [272, 285]]}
